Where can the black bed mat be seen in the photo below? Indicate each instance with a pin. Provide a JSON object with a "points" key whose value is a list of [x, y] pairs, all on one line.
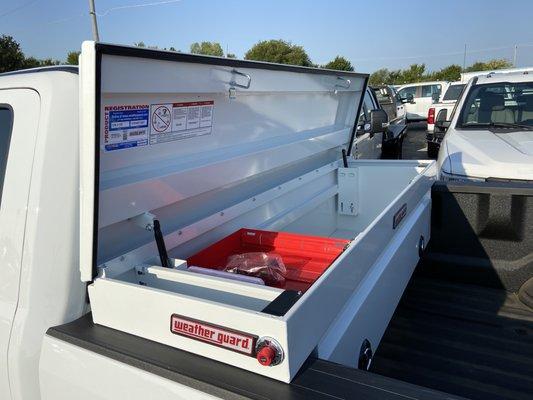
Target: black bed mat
{"points": [[468, 340], [316, 380]]}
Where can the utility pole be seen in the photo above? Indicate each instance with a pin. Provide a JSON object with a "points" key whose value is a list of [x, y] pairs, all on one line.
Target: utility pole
{"points": [[92, 13], [514, 56], [464, 59]]}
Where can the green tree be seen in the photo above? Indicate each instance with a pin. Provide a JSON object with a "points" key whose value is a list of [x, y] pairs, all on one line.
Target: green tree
{"points": [[491, 65], [415, 73], [450, 73], [380, 77], [278, 51], [139, 44], [231, 55], [73, 57], [11, 56], [207, 48], [32, 62], [339, 63]]}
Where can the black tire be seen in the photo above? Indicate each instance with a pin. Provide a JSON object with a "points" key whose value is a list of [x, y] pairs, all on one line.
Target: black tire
{"points": [[433, 150]]}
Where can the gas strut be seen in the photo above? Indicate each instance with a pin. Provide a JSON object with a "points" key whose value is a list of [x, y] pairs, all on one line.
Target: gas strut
{"points": [[344, 158], [161, 248]]}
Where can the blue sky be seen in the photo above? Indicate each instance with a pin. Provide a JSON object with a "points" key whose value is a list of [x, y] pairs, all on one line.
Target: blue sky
{"points": [[371, 34]]}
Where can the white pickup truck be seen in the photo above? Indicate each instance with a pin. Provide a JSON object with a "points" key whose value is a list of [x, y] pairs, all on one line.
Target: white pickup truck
{"points": [[490, 134], [129, 185], [447, 103], [418, 98]]}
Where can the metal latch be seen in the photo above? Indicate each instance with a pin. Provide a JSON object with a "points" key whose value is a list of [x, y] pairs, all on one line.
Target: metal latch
{"points": [[233, 83]]}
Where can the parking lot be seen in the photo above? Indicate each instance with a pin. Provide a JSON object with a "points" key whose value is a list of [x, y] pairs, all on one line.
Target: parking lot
{"points": [[414, 145]]}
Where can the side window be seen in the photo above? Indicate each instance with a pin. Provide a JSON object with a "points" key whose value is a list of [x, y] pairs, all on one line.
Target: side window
{"points": [[383, 96], [6, 123], [428, 90], [407, 91]]}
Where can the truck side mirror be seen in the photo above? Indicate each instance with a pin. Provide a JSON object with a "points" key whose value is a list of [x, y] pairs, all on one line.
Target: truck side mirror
{"points": [[441, 122], [378, 121]]}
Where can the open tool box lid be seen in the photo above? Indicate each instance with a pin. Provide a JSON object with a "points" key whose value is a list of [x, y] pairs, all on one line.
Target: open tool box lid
{"points": [[209, 146], [159, 126]]}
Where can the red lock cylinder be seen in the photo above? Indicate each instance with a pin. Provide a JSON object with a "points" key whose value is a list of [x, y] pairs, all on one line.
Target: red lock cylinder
{"points": [[269, 352]]}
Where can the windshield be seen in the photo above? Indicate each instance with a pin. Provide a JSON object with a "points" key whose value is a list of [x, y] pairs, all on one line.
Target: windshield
{"points": [[501, 105], [453, 92]]}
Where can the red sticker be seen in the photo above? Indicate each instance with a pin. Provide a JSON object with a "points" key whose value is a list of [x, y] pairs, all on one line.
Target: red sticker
{"points": [[213, 334]]}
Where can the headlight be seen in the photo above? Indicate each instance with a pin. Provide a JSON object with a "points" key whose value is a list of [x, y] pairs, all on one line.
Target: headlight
{"points": [[446, 176]]}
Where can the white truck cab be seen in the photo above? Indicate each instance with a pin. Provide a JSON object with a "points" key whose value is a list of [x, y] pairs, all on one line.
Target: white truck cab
{"points": [[146, 150], [39, 219], [418, 98], [490, 134]]}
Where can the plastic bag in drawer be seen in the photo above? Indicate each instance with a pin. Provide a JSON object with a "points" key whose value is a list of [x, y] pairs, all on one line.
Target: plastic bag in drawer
{"points": [[267, 266]]}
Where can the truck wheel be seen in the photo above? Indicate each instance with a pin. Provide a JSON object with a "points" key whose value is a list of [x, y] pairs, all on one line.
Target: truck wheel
{"points": [[433, 150]]}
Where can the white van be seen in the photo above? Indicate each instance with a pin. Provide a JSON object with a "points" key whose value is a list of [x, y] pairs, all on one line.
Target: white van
{"points": [[418, 98]]}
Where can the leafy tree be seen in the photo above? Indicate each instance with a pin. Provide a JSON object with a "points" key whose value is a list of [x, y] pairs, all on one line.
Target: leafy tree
{"points": [[11, 57], [450, 73], [339, 63], [32, 62], [207, 48], [139, 44], [491, 65], [278, 51], [231, 55], [73, 57], [380, 77], [415, 73]]}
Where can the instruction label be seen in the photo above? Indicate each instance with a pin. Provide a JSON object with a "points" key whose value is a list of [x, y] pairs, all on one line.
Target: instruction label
{"points": [[176, 121], [126, 126]]}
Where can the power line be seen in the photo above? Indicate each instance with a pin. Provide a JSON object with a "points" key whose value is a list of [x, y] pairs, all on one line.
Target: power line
{"points": [[157, 3], [13, 10], [445, 54], [53, 22]]}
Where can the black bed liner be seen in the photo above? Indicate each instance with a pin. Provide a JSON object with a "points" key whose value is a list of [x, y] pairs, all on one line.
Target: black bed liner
{"points": [[460, 327], [464, 339], [317, 379]]}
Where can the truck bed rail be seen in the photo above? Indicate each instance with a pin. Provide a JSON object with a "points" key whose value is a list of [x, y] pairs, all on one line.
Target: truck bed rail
{"points": [[316, 380]]}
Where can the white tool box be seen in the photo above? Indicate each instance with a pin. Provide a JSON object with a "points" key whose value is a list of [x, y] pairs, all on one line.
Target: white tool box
{"points": [[231, 156]]}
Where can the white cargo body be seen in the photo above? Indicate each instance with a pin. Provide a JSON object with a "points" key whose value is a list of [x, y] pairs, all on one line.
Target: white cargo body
{"points": [[209, 146]]}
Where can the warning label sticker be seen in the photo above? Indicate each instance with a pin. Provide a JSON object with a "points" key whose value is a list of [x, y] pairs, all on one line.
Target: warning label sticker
{"points": [[128, 126], [125, 126], [176, 121]]}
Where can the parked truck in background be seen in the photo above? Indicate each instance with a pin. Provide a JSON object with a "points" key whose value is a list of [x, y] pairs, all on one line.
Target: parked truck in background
{"points": [[447, 103], [390, 101], [490, 134], [142, 150], [418, 98], [385, 98], [466, 76]]}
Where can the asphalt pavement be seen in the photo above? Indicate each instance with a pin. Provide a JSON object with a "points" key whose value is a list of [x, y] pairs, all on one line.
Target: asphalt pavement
{"points": [[414, 144]]}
